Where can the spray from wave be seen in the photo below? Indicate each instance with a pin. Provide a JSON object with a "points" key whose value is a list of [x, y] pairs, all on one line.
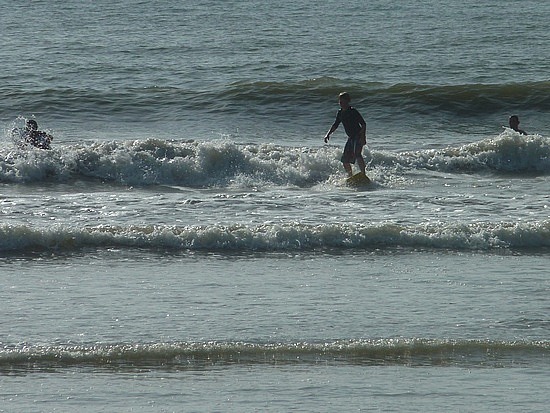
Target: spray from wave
{"points": [[223, 163]]}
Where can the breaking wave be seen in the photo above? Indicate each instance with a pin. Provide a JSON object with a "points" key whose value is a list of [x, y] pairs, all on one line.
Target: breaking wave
{"points": [[280, 237], [223, 162]]}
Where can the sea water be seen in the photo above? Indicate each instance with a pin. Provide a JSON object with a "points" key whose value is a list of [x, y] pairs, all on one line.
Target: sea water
{"points": [[189, 243]]}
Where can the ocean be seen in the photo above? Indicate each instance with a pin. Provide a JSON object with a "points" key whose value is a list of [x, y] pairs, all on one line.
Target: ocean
{"points": [[189, 243]]}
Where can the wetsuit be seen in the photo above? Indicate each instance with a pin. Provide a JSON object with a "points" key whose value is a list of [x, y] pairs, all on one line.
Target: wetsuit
{"points": [[353, 123], [38, 139]]}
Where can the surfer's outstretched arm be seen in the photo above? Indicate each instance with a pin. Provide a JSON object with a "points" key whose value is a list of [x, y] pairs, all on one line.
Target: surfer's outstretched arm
{"points": [[331, 130]]}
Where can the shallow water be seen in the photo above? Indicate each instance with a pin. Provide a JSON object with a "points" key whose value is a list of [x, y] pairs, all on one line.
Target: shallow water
{"points": [[189, 243]]}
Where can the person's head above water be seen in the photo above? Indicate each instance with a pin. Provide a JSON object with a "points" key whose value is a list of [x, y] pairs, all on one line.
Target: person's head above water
{"points": [[344, 99], [514, 122], [31, 124]]}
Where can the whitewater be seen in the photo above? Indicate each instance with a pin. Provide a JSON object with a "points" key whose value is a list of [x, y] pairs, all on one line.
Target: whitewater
{"points": [[189, 243], [265, 187]]}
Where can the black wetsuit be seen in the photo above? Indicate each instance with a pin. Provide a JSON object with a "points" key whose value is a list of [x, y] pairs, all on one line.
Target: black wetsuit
{"points": [[353, 123], [38, 139]]}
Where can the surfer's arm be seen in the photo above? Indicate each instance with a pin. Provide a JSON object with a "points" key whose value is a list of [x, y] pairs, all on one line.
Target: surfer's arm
{"points": [[45, 137], [332, 129], [363, 130], [363, 134], [334, 126]]}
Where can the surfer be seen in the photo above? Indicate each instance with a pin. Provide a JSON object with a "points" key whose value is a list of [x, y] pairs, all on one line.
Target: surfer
{"points": [[35, 137], [356, 129], [514, 124]]}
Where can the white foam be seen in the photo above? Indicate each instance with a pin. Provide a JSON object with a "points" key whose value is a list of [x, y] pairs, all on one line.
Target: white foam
{"points": [[281, 237], [225, 163]]}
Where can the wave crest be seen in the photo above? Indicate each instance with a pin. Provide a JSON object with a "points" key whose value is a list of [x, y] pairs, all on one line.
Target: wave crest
{"points": [[415, 352], [281, 237], [163, 103], [509, 152], [222, 163]]}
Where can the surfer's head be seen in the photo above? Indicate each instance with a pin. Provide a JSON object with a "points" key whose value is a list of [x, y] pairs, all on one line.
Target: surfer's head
{"points": [[344, 96], [31, 124], [344, 99], [514, 122]]}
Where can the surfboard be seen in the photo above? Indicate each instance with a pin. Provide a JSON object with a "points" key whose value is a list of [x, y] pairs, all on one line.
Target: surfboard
{"points": [[358, 180]]}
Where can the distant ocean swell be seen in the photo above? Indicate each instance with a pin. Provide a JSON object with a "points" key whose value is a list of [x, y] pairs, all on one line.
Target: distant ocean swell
{"points": [[281, 237], [223, 163], [156, 103], [410, 352], [465, 99]]}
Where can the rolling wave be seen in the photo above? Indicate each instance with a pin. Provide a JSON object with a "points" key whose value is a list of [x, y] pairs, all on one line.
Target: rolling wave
{"points": [[270, 237], [380, 352], [165, 103], [223, 163], [465, 98]]}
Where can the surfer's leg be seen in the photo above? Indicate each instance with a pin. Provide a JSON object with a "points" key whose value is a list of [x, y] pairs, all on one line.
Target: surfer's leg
{"points": [[358, 152], [348, 157], [347, 167], [361, 163]]}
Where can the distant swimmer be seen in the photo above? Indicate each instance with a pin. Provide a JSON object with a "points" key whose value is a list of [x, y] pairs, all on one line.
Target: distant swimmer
{"points": [[37, 138], [356, 129], [514, 124]]}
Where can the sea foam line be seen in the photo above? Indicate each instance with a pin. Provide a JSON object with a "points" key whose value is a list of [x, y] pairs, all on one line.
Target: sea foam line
{"points": [[280, 237], [398, 351]]}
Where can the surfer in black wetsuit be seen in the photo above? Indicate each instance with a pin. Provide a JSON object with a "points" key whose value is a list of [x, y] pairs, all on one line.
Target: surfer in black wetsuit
{"points": [[514, 124], [356, 129], [35, 137]]}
